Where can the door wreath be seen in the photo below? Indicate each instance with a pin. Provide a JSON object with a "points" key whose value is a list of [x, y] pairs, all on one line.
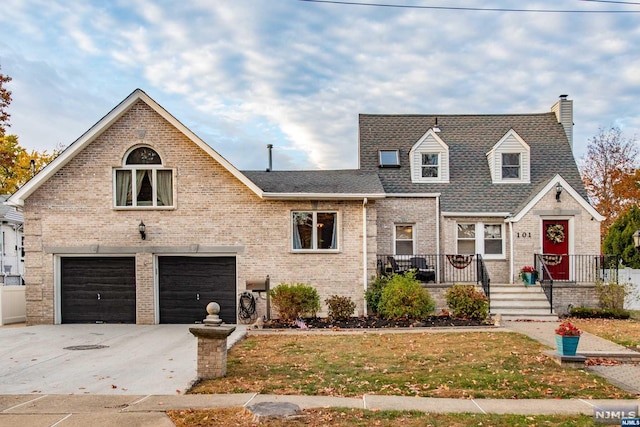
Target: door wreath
{"points": [[555, 233]]}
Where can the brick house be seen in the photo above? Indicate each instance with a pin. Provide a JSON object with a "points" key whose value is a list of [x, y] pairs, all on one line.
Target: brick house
{"points": [[140, 221]]}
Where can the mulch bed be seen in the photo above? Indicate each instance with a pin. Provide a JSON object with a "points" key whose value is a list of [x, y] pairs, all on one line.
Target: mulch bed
{"points": [[373, 322]]}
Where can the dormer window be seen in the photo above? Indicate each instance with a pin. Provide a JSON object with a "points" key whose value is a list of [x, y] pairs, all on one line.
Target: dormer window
{"points": [[509, 160], [429, 158], [430, 165], [510, 165], [389, 158], [143, 181]]}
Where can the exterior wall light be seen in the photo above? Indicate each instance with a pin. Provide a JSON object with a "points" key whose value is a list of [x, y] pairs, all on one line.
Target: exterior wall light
{"points": [[558, 191], [143, 230], [636, 239]]}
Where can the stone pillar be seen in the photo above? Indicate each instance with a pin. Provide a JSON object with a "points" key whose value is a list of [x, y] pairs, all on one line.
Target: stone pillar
{"points": [[212, 350]]}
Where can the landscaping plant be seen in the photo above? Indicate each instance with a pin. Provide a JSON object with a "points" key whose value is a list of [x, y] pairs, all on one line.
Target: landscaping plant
{"points": [[374, 292], [466, 302], [340, 307], [294, 301], [404, 297]]}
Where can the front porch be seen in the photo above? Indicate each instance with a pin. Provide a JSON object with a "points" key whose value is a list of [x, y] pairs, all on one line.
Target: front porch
{"points": [[562, 280]]}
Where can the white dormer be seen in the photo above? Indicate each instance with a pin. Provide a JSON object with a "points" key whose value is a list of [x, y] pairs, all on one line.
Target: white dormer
{"points": [[509, 160], [429, 158]]}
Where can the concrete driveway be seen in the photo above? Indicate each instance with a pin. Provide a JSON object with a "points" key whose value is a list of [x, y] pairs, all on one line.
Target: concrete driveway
{"points": [[97, 359]]}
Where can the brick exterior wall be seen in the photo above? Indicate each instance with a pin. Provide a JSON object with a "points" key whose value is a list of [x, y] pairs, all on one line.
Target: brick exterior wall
{"points": [[74, 211]]}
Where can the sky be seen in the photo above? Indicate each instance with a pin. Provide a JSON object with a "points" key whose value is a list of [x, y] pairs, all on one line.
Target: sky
{"points": [[242, 74]]}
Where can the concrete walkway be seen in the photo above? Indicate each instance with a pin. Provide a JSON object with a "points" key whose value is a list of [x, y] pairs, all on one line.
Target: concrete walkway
{"points": [[65, 410]]}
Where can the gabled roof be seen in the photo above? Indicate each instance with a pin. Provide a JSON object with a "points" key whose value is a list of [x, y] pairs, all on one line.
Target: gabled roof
{"points": [[9, 213], [469, 138], [321, 185]]}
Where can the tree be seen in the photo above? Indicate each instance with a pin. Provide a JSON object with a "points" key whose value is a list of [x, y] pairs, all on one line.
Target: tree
{"points": [[17, 165], [619, 240], [5, 100], [609, 174]]}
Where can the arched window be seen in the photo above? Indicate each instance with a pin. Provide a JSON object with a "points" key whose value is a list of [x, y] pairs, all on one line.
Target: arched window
{"points": [[143, 181]]}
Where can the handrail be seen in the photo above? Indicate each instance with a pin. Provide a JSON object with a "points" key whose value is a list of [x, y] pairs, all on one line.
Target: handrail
{"points": [[544, 276], [483, 277]]}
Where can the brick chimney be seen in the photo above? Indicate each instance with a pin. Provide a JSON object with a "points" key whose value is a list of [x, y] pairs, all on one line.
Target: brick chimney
{"points": [[564, 113]]}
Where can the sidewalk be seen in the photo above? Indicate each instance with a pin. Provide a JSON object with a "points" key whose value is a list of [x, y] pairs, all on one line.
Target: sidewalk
{"points": [[62, 410], [100, 410]]}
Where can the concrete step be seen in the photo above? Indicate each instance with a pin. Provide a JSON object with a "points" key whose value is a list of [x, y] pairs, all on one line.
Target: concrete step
{"points": [[519, 302]]}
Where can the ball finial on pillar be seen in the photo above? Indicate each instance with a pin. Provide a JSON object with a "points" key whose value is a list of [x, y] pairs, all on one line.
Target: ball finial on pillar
{"points": [[213, 319]]}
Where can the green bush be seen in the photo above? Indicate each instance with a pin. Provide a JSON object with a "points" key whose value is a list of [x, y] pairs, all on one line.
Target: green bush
{"points": [[404, 297], [294, 301], [611, 295], [374, 292], [340, 307], [599, 313], [466, 302]]}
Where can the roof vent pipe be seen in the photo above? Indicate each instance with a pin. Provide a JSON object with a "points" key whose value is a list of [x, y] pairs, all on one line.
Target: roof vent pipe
{"points": [[270, 149]]}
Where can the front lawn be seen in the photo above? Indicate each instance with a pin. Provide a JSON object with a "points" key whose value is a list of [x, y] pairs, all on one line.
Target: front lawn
{"points": [[452, 365], [623, 332]]}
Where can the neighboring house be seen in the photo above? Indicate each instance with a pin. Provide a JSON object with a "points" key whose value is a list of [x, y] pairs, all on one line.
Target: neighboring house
{"points": [[140, 221], [12, 254]]}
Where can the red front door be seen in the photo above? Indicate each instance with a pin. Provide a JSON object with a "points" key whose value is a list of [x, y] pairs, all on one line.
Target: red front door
{"points": [[555, 247]]}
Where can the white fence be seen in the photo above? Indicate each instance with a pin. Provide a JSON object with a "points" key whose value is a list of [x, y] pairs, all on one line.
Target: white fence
{"points": [[631, 276], [12, 305]]}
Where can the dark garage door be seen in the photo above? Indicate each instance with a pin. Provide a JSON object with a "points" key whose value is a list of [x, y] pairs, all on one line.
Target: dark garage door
{"points": [[188, 284], [98, 289]]}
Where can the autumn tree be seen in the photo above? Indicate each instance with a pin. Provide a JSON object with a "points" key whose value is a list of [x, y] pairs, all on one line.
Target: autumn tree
{"points": [[5, 100], [609, 174], [17, 165]]}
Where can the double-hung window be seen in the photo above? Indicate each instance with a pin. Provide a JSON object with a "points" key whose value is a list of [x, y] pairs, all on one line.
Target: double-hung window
{"points": [[314, 231], [510, 165], [430, 165], [404, 239], [143, 181], [480, 238]]}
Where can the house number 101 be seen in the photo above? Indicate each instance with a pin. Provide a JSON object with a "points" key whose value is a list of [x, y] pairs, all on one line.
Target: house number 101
{"points": [[524, 235]]}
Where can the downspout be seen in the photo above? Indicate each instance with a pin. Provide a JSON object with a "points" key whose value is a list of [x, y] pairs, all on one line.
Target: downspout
{"points": [[438, 239], [364, 253], [511, 265]]}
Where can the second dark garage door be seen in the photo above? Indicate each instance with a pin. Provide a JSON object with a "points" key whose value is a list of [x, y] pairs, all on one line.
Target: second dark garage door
{"points": [[188, 284]]}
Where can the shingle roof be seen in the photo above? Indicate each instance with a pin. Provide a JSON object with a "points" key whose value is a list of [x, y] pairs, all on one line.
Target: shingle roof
{"points": [[469, 138], [327, 182]]}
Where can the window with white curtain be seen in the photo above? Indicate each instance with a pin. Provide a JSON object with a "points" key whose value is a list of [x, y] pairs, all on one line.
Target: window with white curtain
{"points": [[480, 238], [143, 181], [314, 231]]}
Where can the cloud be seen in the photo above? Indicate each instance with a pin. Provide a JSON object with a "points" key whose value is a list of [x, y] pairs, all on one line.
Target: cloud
{"points": [[245, 73]]}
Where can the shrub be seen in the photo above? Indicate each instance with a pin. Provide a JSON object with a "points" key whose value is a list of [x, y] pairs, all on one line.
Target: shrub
{"points": [[403, 297], [295, 300], [340, 307], [599, 313], [466, 302], [611, 295], [374, 292]]}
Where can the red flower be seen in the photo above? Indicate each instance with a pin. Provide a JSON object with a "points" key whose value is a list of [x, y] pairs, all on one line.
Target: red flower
{"points": [[527, 269], [567, 329]]}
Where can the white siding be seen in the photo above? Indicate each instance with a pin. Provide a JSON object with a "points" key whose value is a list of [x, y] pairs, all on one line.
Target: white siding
{"points": [[429, 143], [510, 143]]}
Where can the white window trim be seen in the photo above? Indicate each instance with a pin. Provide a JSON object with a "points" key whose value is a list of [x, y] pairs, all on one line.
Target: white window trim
{"points": [[420, 148], [413, 237], [479, 229], [520, 168], [154, 169], [315, 249], [494, 157], [437, 166]]}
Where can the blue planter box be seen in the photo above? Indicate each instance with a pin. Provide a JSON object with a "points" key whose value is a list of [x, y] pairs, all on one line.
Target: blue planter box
{"points": [[567, 346], [529, 278]]}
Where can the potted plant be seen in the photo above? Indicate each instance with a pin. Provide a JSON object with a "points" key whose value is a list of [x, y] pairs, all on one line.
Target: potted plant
{"points": [[528, 275], [567, 338]]}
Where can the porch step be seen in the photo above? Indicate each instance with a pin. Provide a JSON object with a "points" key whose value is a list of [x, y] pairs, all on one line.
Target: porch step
{"points": [[519, 302]]}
